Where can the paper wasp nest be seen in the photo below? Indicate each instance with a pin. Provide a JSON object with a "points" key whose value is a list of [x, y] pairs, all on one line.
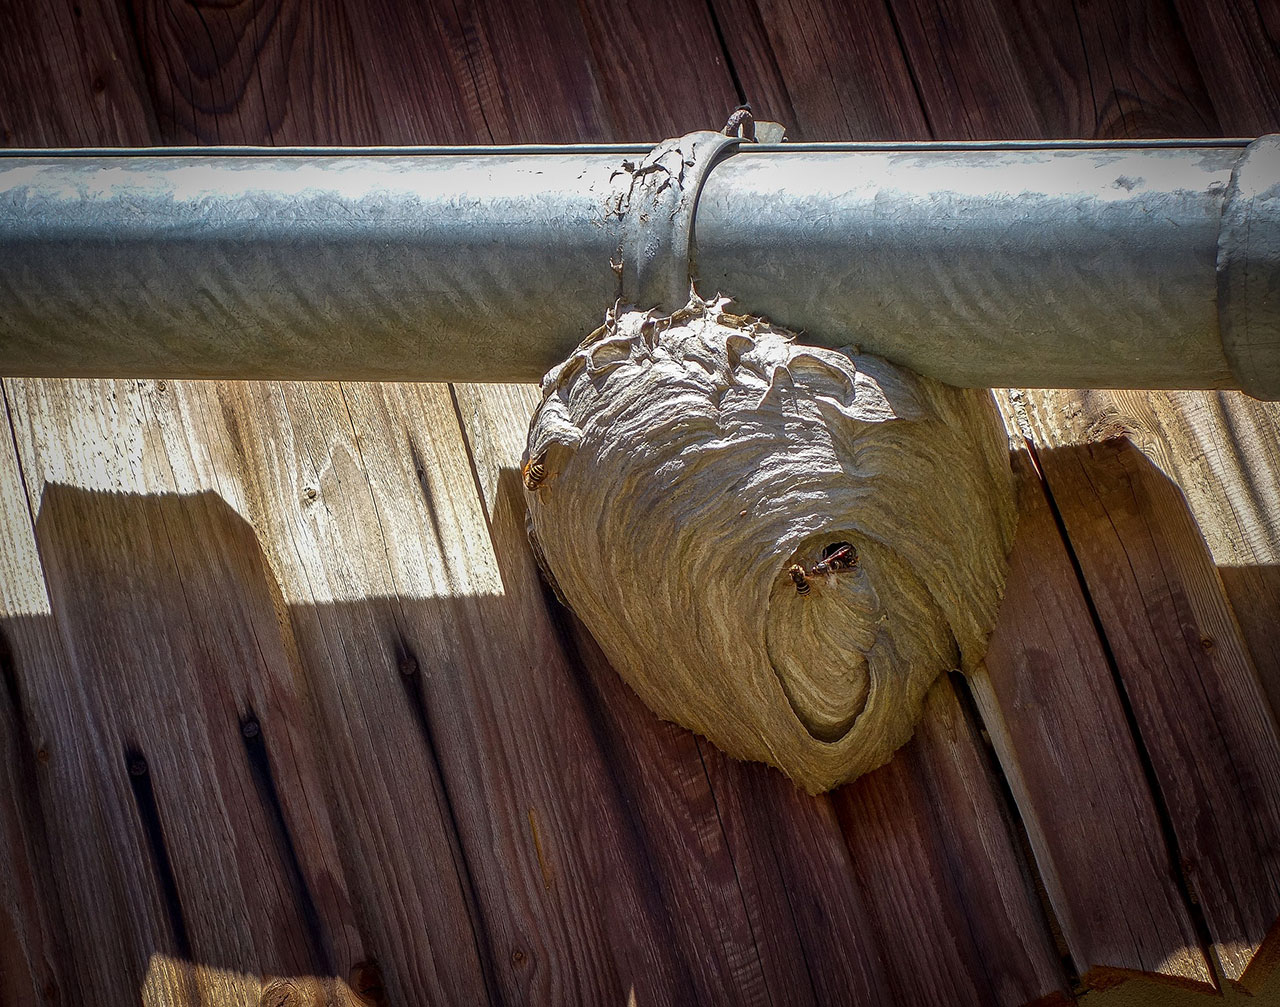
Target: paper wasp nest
{"points": [[778, 546]]}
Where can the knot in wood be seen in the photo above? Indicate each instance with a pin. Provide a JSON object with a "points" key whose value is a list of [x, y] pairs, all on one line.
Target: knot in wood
{"points": [[779, 546]]}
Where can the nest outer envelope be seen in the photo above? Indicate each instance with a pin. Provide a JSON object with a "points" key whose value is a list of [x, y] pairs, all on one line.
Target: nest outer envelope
{"points": [[682, 465]]}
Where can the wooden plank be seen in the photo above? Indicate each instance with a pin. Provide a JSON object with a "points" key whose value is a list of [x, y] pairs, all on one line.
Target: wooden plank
{"points": [[437, 667], [1237, 48], [32, 962], [829, 71], [1222, 449], [862, 906], [191, 720], [1027, 70], [1177, 646], [93, 833], [70, 76], [933, 847], [1187, 667], [549, 73], [660, 67], [280, 72], [1142, 78], [1048, 700]]}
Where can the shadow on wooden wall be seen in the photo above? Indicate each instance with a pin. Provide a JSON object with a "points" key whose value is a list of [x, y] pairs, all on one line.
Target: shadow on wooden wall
{"points": [[224, 817]]}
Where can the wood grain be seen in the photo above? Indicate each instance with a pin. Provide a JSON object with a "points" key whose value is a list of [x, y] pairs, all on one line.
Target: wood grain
{"points": [[1204, 719], [33, 961], [281, 72], [934, 851], [195, 733], [1237, 48], [829, 71], [1187, 667], [1028, 69], [1050, 704], [1222, 450], [70, 76], [94, 838]]}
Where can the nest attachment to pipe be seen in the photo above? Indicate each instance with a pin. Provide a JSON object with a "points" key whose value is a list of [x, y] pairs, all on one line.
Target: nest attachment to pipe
{"points": [[778, 546]]}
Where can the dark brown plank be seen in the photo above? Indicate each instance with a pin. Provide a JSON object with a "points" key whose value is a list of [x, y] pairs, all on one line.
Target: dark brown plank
{"points": [[1048, 699], [33, 963], [1178, 648], [1143, 80], [548, 73], [659, 67], [1030, 69], [829, 71], [281, 72], [1237, 48], [70, 76], [934, 851], [28, 953]]}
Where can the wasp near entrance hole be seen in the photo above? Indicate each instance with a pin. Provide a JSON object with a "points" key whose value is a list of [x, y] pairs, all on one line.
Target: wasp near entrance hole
{"points": [[836, 557]]}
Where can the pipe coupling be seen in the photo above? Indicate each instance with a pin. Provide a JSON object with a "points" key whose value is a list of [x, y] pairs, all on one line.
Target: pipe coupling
{"points": [[1249, 269], [656, 238]]}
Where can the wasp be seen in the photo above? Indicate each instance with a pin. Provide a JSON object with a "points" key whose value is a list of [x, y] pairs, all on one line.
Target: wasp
{"points": [[534, 471], [835, 557]]}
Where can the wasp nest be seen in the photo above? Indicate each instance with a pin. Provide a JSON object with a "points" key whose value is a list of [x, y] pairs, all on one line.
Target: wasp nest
{"points": [[778, 546]]}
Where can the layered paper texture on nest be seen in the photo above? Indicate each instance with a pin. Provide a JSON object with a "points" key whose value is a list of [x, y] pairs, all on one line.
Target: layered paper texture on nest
{"points": [[681, 469]]}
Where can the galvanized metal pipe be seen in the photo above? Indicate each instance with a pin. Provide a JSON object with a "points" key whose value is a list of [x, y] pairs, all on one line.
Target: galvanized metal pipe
{"points": [[1025, 264]]}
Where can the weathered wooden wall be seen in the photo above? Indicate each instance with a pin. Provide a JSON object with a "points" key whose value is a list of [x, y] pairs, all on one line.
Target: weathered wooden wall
{"points": [[288, 714]]}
